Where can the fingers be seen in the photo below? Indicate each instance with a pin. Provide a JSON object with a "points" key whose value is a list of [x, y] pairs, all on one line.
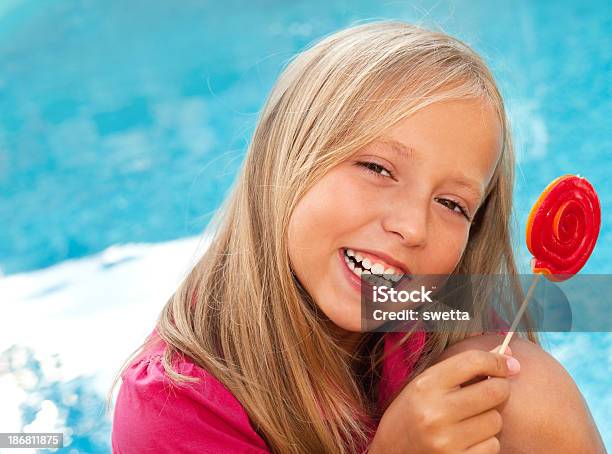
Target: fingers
{"points": [[478, 398], [489, 446], [508, 352], [478, 428], [452, 372]]}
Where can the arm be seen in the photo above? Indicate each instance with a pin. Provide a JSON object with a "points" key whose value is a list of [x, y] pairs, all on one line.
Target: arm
{"points": [[546, 411]]}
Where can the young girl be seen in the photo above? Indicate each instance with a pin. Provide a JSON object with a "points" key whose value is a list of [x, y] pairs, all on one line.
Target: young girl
{"points": [[383, 144]]}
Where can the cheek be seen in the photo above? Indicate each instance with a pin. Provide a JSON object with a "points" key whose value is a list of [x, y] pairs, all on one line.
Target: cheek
{"points": [[328, 211], [311, 217], [311, 228], [325, 219], [448, 249]]}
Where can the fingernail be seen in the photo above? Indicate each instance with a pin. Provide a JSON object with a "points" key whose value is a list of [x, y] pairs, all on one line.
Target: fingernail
{"points": [[513, 365]]}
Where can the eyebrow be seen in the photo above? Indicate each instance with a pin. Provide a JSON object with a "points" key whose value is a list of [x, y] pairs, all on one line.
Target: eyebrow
{"points": [[405, 151]]}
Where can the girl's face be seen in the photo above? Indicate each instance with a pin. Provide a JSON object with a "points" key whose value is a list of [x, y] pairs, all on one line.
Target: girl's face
{"points": [[404, 201]]}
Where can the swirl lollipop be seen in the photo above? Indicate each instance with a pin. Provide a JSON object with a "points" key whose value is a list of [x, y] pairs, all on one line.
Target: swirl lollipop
{"points": [[562, 230], [563, 226]]}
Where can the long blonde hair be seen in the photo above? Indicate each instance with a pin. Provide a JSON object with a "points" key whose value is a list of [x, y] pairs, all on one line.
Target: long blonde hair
{"points": [[240, 313]]}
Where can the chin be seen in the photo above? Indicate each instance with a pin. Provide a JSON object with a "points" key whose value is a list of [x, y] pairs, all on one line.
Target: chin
{"points": [[352, 322], [345, 317]]}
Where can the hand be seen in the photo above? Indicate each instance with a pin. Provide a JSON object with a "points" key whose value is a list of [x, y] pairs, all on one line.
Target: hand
{"points": [[434, 413]]}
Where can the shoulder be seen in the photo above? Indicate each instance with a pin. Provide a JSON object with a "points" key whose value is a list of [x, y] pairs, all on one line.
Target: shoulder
{"points": [[153, 414], [543, 398]]}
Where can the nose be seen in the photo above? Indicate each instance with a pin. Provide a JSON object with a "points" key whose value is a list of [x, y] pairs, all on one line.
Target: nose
{"points": [[407, 221]]}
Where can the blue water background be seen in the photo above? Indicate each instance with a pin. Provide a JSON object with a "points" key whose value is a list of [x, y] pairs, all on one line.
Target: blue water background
{"points": [[126, 122]]}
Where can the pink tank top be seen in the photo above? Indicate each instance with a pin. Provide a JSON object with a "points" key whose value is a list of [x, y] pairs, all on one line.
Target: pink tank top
{"points": [[151, 416]]}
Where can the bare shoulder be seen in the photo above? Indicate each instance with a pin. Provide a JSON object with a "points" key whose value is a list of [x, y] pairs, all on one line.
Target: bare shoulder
{"points": [[546, 411]]}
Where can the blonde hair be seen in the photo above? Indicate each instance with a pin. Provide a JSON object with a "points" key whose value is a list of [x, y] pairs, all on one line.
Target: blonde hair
{"points": [[241, 313]]}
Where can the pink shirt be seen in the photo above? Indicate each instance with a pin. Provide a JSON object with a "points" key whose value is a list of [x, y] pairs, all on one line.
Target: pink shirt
{"points": [[152, 417]]}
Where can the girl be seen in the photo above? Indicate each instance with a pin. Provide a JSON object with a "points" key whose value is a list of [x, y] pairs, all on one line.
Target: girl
{"points": [[383, 144]]}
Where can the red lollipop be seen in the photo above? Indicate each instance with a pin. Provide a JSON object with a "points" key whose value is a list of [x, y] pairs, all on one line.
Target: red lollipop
{"points": [[563, 226], [562, 230]]}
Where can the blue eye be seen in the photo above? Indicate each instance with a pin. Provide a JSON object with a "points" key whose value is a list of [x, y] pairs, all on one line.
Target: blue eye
{"points": [[375, 168], [452, 205]]}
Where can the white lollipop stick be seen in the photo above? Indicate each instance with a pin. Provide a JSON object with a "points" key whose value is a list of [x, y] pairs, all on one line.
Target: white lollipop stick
{"points": [[519, 314]]}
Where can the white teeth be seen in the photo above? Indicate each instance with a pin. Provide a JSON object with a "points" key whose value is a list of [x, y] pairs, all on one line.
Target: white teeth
{"points": [[382, 281], [366, 266], [377, 269]]}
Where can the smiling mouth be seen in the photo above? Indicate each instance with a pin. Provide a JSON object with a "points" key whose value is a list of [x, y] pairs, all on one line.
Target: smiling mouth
{"points": [[374, 272]]}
